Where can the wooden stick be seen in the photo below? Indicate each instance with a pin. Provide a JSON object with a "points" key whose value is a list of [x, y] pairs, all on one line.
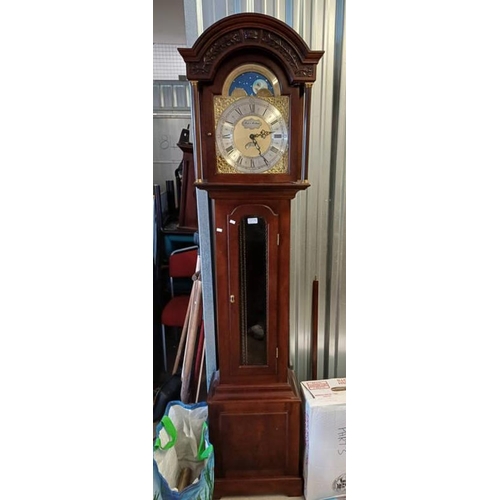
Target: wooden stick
{"points": [[190, 343], [186, 322], [200, 376], [183, 334], [199, 351], [184, 479], [314, 331]]}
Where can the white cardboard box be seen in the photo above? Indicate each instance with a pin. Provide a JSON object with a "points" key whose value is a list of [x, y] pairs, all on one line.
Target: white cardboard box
{"points": [[325, 438]]}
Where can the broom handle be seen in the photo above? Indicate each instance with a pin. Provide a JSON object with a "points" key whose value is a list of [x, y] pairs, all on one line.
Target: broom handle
{"points": [[190, 345], [199, 350], [314, 331], [183, 335], [191, 336], [200, 376], [186, 323]]}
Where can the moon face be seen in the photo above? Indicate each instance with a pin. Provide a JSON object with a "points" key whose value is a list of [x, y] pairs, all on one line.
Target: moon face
{"points": [[258, 85], [250, 83]]}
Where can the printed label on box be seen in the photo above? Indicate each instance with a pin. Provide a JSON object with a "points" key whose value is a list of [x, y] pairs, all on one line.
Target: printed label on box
{"points": [[326, 389], [317, 384]]}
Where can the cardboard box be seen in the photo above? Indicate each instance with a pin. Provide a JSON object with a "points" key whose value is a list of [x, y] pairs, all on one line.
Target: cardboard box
{"points": [[325, 438]]}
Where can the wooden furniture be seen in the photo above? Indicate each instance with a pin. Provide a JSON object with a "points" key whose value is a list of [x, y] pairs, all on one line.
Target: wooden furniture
{"points": [[251, 77], [188, 217]]}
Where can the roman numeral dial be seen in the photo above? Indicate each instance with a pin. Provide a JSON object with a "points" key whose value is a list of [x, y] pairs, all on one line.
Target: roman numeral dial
{"points": [[251, 134]]}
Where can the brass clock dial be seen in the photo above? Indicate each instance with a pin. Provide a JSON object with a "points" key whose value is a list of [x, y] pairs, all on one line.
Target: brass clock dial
{"points": [[252, 134]]}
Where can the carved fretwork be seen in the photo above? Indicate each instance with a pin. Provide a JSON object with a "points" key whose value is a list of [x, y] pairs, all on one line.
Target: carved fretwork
{"points": [[287, 51], [215, 49], [253, 37], [251, 34]]}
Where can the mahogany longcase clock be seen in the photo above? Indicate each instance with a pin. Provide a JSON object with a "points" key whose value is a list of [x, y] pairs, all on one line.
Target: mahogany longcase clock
{"points": [[251, 77]]}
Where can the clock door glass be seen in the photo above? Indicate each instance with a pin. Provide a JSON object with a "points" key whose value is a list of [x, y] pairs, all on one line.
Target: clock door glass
{"points": [[253, 290]]}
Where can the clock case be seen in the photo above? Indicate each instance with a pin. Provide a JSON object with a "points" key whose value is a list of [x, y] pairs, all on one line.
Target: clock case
{"points": [[254, 410]]}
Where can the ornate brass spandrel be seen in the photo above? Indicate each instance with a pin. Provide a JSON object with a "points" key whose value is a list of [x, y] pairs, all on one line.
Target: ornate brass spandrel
{"points": [[282, 104], [224, 168]]}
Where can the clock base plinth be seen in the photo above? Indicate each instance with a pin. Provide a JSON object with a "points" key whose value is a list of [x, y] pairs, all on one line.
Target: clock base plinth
{"points": [[256, 433], [288, 486]]}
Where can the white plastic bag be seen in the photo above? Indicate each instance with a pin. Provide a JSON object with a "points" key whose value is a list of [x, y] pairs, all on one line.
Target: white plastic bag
{"points": [[182, 442]]}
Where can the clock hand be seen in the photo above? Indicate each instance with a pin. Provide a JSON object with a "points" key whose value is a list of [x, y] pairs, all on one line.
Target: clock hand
{"points": [[262, 133], [256, 144]]}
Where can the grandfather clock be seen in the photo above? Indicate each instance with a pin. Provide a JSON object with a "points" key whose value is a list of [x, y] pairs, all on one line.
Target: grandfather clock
{"points": [[251, 77]]}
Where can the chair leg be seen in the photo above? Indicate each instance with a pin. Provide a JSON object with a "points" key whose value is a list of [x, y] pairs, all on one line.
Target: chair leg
{"points": [[164, 338]]}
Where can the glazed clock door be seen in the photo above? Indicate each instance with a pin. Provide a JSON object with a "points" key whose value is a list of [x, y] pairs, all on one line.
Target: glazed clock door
{"points": [[253, 275]]}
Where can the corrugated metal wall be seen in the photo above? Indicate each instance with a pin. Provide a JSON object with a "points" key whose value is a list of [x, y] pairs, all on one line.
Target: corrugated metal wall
{"points": [[318, 214]]}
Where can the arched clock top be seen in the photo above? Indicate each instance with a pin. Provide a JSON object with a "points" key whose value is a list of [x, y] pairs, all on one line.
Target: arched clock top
{"points": [[251, 32]]}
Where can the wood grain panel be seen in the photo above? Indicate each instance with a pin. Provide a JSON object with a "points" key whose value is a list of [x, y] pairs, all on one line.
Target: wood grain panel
{"points": [[254, 443]]}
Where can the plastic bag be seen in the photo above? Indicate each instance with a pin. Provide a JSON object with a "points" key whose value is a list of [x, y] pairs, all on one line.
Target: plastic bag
{"points": [[182, 448]]}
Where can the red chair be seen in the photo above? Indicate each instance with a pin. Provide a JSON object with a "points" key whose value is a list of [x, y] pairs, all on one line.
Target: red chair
{"points": [[181, 267]]}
